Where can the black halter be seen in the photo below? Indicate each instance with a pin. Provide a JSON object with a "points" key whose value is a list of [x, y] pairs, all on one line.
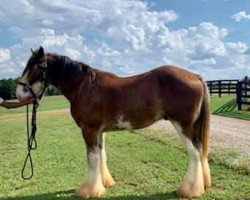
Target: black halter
{"points": [[28, 86]]}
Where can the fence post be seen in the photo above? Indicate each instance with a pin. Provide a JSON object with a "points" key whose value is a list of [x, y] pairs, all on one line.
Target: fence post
{"points": [[245, 86], [210, 87], [220, 89], [239, 94]]}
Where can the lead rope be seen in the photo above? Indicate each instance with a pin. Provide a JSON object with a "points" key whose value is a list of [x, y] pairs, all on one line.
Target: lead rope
{"points": [[31, 141]]}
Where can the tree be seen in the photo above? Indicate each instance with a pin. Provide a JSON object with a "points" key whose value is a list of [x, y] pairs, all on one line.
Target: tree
{"points": [[51, 91], [7, 88]]}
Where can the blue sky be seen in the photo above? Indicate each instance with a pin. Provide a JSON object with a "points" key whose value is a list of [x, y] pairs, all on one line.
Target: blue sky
{"points": [[209, 37], [219, 12]]}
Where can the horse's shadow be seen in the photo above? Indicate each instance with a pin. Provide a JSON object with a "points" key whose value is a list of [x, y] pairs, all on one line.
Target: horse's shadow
{"points": [[70, 195]]}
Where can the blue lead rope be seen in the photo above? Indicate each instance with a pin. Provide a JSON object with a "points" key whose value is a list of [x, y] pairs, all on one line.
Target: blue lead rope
{"points": [[31, 141]]}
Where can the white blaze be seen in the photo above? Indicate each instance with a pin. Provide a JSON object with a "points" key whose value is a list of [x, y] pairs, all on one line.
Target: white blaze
{"points": [[23, 94]]}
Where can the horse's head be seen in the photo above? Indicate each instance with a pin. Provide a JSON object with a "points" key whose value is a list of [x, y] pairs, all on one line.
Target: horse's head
{"points": [[33, 81]]}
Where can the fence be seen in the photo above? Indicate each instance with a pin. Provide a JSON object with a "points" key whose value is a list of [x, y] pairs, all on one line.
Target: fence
{"points": [[243, 92], [239, 87], [222, 87]]}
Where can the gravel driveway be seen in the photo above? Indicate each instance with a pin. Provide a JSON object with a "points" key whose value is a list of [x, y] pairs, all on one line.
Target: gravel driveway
{"points": [[230, 133]]}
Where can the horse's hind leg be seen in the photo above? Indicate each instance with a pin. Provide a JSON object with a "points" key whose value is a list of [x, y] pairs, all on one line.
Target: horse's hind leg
{"points": [[193, 184], [206, 172], [93, 187], [107, 179]]}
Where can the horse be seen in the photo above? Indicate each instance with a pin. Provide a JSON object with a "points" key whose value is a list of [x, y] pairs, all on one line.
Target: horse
{"points": [[102, 102]]}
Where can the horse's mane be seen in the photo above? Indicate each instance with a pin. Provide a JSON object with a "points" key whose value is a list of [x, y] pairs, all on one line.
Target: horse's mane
{"points": [[70, 69]]}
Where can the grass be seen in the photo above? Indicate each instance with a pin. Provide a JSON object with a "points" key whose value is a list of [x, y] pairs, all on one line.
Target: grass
{"points": [[48, 103], [226, 106], [145, 165]]}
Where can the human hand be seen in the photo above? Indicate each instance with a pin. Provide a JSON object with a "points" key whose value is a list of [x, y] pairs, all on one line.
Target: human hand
{"points": [[32, 100]]}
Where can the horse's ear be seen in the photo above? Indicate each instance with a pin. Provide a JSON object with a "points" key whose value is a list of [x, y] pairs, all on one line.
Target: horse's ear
{"points": [[32, 51], [40, 52]]}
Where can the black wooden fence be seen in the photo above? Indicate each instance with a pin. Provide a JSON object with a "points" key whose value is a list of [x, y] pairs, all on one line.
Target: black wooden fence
{"points": [[222, 87], [243, 92], [241, 88]]}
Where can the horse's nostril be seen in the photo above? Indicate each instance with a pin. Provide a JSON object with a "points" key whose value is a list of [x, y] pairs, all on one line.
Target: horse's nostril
{"points": [[25, 89]]}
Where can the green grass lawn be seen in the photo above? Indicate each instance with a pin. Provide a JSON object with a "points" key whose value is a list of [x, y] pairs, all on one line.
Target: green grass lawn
{"points": [[226, 106], [47, 103], [144, 167]]}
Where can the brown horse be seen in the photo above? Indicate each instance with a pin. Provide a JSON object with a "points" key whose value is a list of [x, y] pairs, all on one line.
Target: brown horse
{"points": [[102, 102]]}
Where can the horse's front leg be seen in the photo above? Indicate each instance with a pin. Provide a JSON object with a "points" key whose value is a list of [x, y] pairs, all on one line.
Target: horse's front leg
{"points": [[93, 186]]}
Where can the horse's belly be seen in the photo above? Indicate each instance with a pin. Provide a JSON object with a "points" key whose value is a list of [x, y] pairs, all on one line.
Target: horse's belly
{"points": [[136, 122]]}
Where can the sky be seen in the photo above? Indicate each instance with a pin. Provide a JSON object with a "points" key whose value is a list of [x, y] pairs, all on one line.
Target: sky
{"points": [[127, 37]]}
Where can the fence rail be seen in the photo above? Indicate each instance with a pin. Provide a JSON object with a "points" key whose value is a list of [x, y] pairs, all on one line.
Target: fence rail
{"points": [[222, 87]]}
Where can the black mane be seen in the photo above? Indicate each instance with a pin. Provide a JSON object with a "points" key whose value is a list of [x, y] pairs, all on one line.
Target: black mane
{"points": [[68, 69]]}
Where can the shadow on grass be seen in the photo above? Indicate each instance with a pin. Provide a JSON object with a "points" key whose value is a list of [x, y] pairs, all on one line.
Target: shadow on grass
{"points": [[70, 195], [227, 107]]}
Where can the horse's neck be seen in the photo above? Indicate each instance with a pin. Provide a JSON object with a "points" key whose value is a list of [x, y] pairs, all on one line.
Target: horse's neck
{"points": [[65, 75]]}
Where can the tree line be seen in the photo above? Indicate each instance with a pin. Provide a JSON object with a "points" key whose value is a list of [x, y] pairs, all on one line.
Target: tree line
{"points": [[8, 89]]}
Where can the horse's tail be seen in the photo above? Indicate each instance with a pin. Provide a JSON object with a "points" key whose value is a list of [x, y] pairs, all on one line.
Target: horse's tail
{"points": [[202, 125]]}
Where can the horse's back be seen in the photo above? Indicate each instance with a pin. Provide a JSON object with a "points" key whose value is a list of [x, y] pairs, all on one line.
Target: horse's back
{"points": [[168, 73]]}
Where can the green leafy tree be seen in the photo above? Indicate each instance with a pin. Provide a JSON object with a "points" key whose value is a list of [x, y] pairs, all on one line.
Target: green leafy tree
{"points": [[7, 88]]}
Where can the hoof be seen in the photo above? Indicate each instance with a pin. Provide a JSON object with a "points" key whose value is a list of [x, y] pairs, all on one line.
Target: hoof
{"points": [[108, 182], [190, 190], [206, 174], [207, 182], [89, 191]]}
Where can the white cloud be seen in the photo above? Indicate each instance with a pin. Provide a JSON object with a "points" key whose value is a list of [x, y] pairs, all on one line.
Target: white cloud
{"points": [[201, 43], [209, 30], [106, 51], [122, 36], [135, 36], [237, 47], [208, 61], [242, 15], [72, 53], [5, 55]]}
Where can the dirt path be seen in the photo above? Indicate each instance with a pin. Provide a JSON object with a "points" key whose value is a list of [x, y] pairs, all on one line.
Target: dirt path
{"points": [[41, 113], [226, 133], [230, 133]]}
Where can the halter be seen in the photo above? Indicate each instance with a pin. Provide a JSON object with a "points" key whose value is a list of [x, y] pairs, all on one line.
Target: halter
{"points": [[28, 86]]}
